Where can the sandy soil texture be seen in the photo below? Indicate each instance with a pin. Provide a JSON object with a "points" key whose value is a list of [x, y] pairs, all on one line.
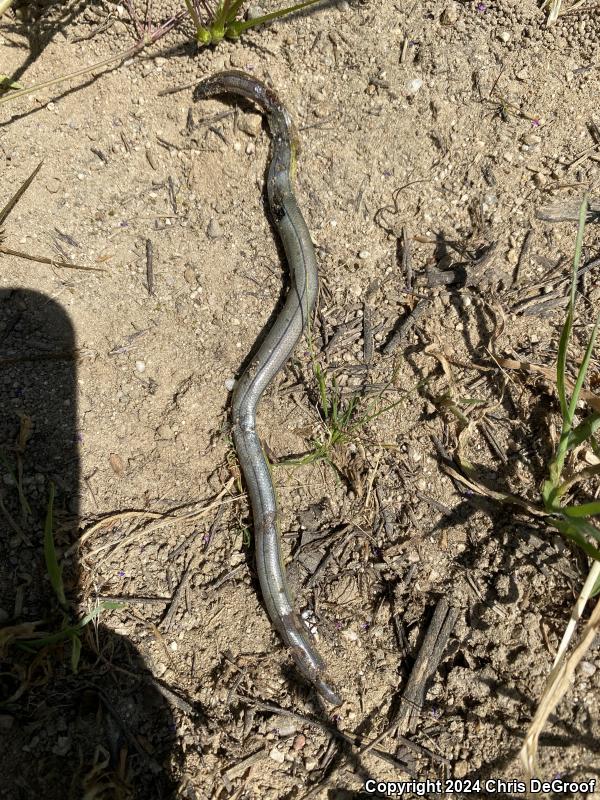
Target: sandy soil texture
{"points": [[432, 133]]}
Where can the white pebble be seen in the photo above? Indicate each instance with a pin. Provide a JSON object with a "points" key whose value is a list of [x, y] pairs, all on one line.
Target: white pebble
{"points": [[414, 85], [140, 366], [277, 755], [229, 384], [364, 254]]}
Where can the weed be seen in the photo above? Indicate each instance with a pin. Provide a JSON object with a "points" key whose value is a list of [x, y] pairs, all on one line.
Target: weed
{"points": [[212, 24], [25, 636], [223, 23], [573, 520], [341, 419]]}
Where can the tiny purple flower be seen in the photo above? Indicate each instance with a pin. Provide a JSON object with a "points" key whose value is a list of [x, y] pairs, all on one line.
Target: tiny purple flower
{"points": [[535, 123], [481, 7], [121, 573]]}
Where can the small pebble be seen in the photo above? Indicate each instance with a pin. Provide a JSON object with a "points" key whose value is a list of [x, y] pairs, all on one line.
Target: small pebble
{"points": [[190, 276], [277, 755], [364, 254], [449, 15], [254, 12], [299, 742], [504, 36], [229, 384], [140, 366], [214, 229], [413, 86]]}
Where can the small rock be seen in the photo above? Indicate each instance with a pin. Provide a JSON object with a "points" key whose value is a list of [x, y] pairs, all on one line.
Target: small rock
{"points": [[277, 755], [190, 276], [504, 36], [229, 384], [364, 254], [284, 727], [214, 230], [116, 462], [532, 139], [299, 742], [449, 15], [413, 86], [461, 768], [250, 124], [254, 12], [588, 668], [310, 764], [513, 257], [540, 180], [140, 366]]}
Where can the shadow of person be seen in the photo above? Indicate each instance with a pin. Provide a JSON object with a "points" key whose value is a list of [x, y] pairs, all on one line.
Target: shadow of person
{"points": [[80, 716]]}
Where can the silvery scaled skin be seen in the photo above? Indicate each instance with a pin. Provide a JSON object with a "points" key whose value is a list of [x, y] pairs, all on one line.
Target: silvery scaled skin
{"points": [[273, 353]]}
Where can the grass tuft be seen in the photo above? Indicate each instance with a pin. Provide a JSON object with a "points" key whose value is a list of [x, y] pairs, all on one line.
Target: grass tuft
{"points": [[575, 521]]}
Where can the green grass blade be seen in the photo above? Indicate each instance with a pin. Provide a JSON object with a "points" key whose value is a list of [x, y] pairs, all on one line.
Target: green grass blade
{"points": [[75, 652], [237, 27], [322, 388], [561, 367], [575, 531], [52, 565], [583, 510], [583, 370], [232, 10], [105, 605], [584, 431]]}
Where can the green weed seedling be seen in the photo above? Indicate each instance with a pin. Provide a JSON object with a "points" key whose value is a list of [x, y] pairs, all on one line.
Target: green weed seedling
{"points": [[574, 521], [212, 24], [223, 22], [341, 419], [68, 630]]}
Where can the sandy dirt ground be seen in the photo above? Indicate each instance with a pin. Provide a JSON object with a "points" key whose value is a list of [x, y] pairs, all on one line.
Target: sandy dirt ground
{"points": [[432, 133]]}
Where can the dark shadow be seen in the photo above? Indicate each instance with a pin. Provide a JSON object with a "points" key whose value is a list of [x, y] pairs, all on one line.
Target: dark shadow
{"points": [[63, 732]]}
